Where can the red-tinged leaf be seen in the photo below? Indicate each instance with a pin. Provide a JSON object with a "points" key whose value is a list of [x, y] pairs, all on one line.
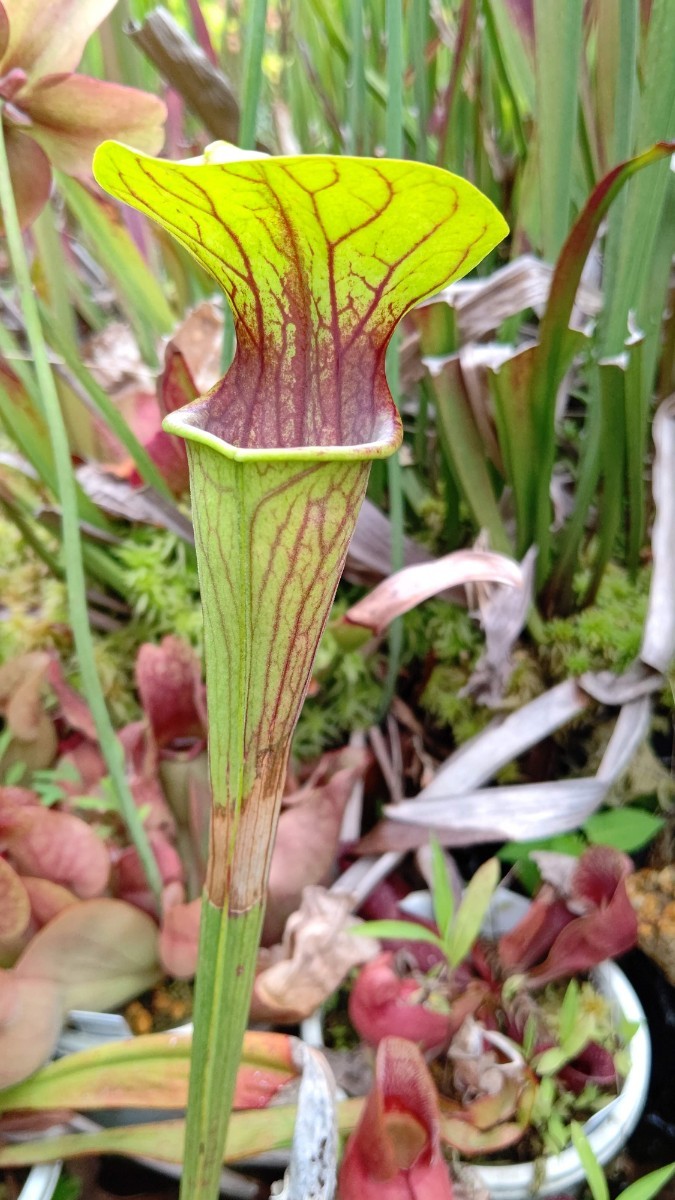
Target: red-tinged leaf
{"points": [[606, 932], [16, 797], [47, 38], [201, 32], [71, 115], [179, 939], [531, 939], [598, 874], [472, 1142], [47, 899], [409, 587], [381, 1005], [100, 954], [176, 388], [522, 15], [87, 762], [594, 1066], [568, 943], [169, 682], [72, 706], [129, 879], [37, 1122], [31, 175], [150, 1072], [30, 1023], [14, 904], [395, 1151], [57, 846], [307, 840], [169, 457], [176, 385]]}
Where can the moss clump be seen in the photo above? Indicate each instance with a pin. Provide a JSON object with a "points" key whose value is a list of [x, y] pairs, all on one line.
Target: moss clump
{"points": [[345, 695], [33, 609], [162, 585], [349, 683], [605, 636]]}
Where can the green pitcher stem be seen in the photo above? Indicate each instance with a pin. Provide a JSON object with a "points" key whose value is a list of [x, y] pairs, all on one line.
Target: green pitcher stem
{"points": [[221, 1013], [233, 906]]}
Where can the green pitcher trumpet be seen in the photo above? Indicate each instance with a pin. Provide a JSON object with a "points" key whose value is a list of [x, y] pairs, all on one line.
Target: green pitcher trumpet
{"points": [[319, 258]]}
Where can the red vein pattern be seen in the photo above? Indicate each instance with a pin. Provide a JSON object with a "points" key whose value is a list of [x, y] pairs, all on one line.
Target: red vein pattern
{"points": [[319, 258]]}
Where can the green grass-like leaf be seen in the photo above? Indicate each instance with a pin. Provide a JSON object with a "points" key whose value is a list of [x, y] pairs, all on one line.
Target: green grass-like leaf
{"points": [[398, 931]]}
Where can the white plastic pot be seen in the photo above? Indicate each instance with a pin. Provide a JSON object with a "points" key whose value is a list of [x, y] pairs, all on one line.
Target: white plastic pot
{"points": [[607, 1130], [41, 1183]]}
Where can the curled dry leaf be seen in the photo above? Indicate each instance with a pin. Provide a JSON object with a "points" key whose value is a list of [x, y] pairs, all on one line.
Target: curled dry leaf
{"points": [[409, 587], [481, 305], [503, 613], [315, 956], [483, 1066]]}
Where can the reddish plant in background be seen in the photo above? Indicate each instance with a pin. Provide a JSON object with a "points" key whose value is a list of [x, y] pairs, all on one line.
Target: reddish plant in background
{"points": [[395, 1151], [53, 117]]}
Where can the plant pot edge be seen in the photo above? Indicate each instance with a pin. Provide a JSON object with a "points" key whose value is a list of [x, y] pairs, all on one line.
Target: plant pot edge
{"points": [[41, 1182], [614, 1125]]}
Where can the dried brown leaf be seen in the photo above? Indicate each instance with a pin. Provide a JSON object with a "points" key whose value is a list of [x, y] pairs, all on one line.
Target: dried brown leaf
{"points": [[315, 956], [409, 587]]}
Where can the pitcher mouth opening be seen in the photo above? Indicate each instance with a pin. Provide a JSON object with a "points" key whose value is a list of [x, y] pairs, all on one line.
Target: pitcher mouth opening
{"points": [[387, 435]]}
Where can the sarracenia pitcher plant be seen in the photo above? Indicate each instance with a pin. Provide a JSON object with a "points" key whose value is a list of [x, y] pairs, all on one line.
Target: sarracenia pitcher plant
{"points": [[319, 258]]}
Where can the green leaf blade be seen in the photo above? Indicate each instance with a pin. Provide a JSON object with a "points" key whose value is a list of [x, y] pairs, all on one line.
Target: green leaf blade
{"points": [[472, 911], [441, 891], [407, 931]]}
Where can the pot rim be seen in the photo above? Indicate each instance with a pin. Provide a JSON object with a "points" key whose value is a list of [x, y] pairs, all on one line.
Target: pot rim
{"points": [[41, 1182]]}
